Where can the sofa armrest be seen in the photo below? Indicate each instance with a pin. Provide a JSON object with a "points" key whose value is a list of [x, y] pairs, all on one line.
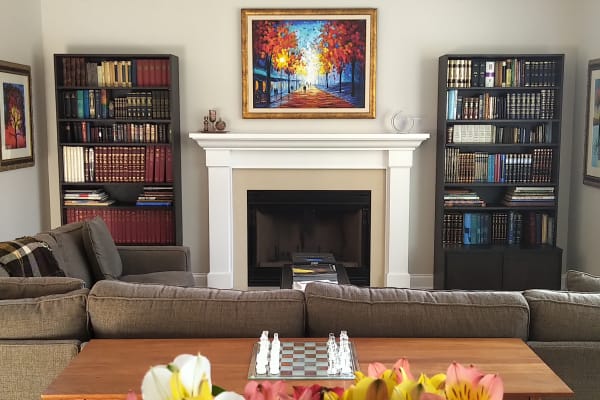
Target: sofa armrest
{"points": [[148, 259]]}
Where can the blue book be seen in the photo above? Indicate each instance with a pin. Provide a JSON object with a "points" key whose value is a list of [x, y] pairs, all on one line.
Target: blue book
{"points": [[86, 103], [467, 228]]}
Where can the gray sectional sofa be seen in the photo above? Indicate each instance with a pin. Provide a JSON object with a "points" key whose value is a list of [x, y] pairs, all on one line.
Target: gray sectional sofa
{"points": [[44, 321]]}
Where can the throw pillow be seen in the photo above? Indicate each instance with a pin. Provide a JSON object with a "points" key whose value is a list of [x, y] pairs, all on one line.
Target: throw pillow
{"points": [[578, 281], [101, 250], [28, 256]]}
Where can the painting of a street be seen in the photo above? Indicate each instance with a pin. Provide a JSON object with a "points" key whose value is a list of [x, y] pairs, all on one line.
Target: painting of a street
{"points": [[309, 63]]}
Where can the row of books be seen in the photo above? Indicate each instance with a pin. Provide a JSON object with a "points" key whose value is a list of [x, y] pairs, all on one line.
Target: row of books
{"points": [[88, 132], [151, 163], [97, 104], [156, 196], [530, 196], [534, 167], [76, 71], [499, 228], [462, 198], [512, 72], [132, 226], [529, 105], [86, 197], [486, 133]]}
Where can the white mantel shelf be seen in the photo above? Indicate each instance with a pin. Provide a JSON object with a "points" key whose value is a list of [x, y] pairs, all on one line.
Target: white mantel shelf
{"points": [[321, 141], [388, 151]]}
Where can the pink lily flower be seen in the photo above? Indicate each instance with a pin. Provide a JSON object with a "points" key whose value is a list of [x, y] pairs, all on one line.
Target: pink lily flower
{"points": [[466, 383], [266, 391]]}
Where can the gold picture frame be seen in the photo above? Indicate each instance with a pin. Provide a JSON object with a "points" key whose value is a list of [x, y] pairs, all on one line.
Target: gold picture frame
{"points": [[309, 63], [591, 165], [16, 124]]}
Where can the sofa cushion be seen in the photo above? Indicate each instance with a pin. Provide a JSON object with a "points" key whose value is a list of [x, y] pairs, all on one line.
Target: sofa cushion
{"points": [[19, 288], [391, 312], [57, 316], [563, 316], [172, 278], [29, 366], [28, 256], [578, 281], [101, 250], [128, 310], [66, 242]]}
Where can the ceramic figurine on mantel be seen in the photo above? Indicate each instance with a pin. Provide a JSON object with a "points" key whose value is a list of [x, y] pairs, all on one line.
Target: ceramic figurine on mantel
{"points": [[212, 124]]}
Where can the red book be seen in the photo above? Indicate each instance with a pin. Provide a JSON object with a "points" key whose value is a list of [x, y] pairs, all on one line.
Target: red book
{"points": [[163, 70], [168, 164], [157, 151]]}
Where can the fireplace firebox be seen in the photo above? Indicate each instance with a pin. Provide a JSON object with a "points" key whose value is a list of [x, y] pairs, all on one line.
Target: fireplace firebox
{"points": [[282, 222]]}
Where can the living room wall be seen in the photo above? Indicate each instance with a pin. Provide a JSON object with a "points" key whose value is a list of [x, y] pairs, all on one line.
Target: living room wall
{"points": [[411, 37], [584, 218], [24, 204]]}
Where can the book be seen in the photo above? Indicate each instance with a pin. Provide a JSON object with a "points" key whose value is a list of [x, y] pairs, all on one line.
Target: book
{"points": [[314, 272]]}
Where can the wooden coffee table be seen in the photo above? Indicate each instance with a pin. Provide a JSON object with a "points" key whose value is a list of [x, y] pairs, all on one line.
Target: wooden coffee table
{"points": [[107, 368]]}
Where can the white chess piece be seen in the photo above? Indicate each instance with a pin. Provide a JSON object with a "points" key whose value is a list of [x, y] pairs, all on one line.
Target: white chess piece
{"points": [[263, 353], [274, 361]]}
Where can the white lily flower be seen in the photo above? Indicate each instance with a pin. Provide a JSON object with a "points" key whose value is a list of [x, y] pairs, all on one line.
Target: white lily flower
{"points": [[229, 396], [191, 370]]}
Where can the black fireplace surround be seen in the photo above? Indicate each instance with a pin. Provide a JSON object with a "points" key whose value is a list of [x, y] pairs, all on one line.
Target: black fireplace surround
{"points": [[282, 222]]}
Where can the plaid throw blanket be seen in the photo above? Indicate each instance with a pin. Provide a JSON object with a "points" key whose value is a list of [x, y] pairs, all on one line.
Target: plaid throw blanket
{"points": [[27, 256]]}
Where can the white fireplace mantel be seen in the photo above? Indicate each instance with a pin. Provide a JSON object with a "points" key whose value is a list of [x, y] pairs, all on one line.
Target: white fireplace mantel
{"points": [[388, 151]]}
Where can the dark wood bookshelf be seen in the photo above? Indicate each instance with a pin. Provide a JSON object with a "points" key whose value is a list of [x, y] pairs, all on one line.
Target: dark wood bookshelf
{"points": [[498, 246], [119, 153]]}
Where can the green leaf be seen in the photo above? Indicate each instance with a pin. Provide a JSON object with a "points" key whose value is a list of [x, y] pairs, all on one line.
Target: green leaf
{"points": [[217, 390]]}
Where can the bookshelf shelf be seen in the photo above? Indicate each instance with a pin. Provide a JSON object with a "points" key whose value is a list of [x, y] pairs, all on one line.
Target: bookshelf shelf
{"points": [[497, 168], [119, 144]]}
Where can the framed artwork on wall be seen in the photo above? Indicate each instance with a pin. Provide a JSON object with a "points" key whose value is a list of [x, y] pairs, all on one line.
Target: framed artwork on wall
{"points": [[16, 125], [308, 63], [591, 166]]}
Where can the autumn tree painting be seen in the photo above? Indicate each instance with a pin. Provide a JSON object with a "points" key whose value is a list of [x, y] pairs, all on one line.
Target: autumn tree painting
{"points": [[15, 135], [310, 63]]}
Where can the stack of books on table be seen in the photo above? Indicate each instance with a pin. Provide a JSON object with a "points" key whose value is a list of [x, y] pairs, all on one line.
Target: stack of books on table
{"points": [[534, 196], [86, 197], [156, 196]]}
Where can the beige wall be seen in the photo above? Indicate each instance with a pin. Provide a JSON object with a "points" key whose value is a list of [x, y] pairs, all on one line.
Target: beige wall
{"points": [[411, 36], [255, 179], [24, 193], [584, 213]]}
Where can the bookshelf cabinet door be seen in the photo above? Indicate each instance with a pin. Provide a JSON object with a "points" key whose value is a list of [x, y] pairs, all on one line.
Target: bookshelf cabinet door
{"points": [[473, 270], [532, 269]]}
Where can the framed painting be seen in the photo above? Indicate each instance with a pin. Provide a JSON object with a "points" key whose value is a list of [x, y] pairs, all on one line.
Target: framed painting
{"points": [[16, 126], [591, 167], [308, 63]]}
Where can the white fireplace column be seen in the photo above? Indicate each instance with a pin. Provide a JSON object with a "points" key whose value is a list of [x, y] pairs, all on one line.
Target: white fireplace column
{"points": [[389, 151]]}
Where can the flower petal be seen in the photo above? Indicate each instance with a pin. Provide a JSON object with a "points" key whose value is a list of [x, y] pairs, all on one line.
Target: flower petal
{"points": [[493, 386], [155, 385], [376, 369], [194, 370], [229, 396]]}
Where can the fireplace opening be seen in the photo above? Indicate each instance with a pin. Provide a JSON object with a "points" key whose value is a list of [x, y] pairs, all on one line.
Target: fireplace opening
{"points": [[282, 222]]}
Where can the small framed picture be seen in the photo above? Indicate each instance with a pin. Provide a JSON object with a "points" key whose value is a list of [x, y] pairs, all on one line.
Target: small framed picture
{"points": [[16, 127], [591, 167], [308, 63]]}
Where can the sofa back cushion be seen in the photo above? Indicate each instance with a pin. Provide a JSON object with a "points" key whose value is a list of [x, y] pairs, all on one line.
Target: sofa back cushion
{"points": [[128, 310], [19, 288], [563, 316], [101, 250], [57, 316], [577, 281], [391, 312], [66, 243]]}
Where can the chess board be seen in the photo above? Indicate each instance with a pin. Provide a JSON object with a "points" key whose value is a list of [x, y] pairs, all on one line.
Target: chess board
{"points": [[302, 360]]}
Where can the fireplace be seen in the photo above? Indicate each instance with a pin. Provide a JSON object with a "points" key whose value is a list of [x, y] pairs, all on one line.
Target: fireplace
{"points": [[308, 161], [283, 222]]}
